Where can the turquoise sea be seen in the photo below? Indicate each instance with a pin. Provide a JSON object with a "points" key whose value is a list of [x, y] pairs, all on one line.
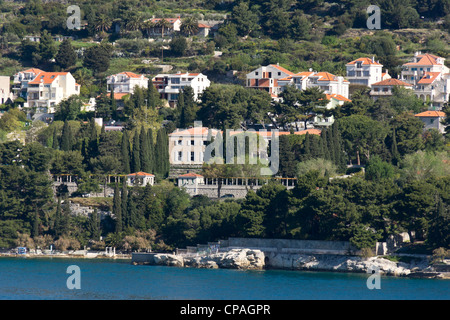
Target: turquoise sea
{"points": [[46, 279]]}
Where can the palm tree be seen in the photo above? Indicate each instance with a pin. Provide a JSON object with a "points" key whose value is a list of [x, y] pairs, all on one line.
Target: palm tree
{"points": [[134, 22], [189, 26], [163, 24], [147, 26], [102, 23]]}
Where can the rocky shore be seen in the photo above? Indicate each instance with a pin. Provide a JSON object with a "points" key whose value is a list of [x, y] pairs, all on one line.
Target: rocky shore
{"points": [[250, 259]]}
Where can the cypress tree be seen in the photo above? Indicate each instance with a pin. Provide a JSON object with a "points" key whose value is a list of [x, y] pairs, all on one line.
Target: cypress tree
{"points": [[117, 208], [306, 147], [394, 150], [66, 137], [135, 154], [113, 102], [92, 149], [124, 203], [35, 230], [339, 155], [144, 151], [151, 151], [55, 143], [125, 151]]}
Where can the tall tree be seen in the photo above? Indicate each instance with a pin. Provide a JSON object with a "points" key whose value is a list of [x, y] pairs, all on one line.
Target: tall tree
{"points": [[66, 137], [125, 152], [144, 151], [124, 203], [117, 209], [136, 153], [66, 56]]}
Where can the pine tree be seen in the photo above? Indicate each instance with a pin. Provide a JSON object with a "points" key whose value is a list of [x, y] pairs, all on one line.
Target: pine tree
{"points": [[66, 137], [125, 151], [117, 208], [66, 56], [135, 154]]}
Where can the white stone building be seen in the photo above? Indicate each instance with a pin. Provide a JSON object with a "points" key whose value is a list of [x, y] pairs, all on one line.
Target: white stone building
{"points": [[48, 89], [335, 100], [125, 82], [5, 92], [170, 85], [266, 78], [327, 82], [21, 80], [432, 120], [365, 71], [140, 179]]}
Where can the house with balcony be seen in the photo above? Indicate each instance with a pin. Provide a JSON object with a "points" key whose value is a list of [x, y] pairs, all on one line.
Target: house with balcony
{"points": [[430, 78], [170, 85], [174, 25], [21, 80], [325, 81], [48, 89], [266, 78], [365, 71], [125, 82], [385, 88]]}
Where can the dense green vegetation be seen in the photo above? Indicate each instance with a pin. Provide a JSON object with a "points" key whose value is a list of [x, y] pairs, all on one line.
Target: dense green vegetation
{"points": [[405, 185]]}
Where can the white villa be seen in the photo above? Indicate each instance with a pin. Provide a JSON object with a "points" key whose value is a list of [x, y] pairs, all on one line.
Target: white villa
{"points": [[385, 88], [327, 82], [125, 82], [266, 78], [47, 89], [432, 120], [365, 71], [429, 77], [169, 85], [140, 179]]}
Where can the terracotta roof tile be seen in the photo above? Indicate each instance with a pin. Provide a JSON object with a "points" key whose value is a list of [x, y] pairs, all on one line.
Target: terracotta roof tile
{"points": [[391, 82], [431, 114]]}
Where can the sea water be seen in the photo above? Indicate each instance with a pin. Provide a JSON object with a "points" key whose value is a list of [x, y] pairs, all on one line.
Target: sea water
{"points": [[46, 279]]}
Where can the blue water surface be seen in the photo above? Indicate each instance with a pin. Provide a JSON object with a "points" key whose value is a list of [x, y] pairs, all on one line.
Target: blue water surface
{"points": [[46, 279]]}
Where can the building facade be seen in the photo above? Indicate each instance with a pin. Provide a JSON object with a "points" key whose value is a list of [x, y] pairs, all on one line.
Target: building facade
{"points": [[125, 82], [266, 78], [5, 92], [170, 85], [385, 88], [432, 120], [365, 71]]}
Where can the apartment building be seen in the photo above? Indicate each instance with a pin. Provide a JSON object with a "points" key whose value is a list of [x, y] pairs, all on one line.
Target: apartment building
{"points": [[21, 80], [267, 77], [125, 82], [325, 81], [170, 85], [365, 71], [429, 77], [48, 89]]}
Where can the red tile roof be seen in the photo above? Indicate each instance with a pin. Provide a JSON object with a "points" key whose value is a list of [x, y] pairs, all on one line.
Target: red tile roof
{"points": [[337, 97], [140, 173], [429, 77], [190, 175], [391, 82], [201, 25], [131, 74], [282, 69], [364, 61], [425, 60], [47, 77], [33, 70], [431, 114]]}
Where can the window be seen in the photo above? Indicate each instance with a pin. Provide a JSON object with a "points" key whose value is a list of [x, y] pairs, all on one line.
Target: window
{"points": [[256, 73], [175, 80], [180, 155], [180, 142], [192, 142], [279, 73], [192, 156]]}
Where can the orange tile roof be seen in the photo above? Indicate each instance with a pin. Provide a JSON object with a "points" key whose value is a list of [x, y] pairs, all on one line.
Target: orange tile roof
{"points": [[190, 175], [364, 61], [33, 70], [391, 82], [337, 97], [47, 77], [201, 25], [171, 20], [432, 114], [131, 74], [282, 69], [425, 60], [429, 77], [140, 173]]}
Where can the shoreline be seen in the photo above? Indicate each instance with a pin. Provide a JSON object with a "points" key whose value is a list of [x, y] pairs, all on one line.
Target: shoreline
{"points": [[67, 256], [246, 259]]}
